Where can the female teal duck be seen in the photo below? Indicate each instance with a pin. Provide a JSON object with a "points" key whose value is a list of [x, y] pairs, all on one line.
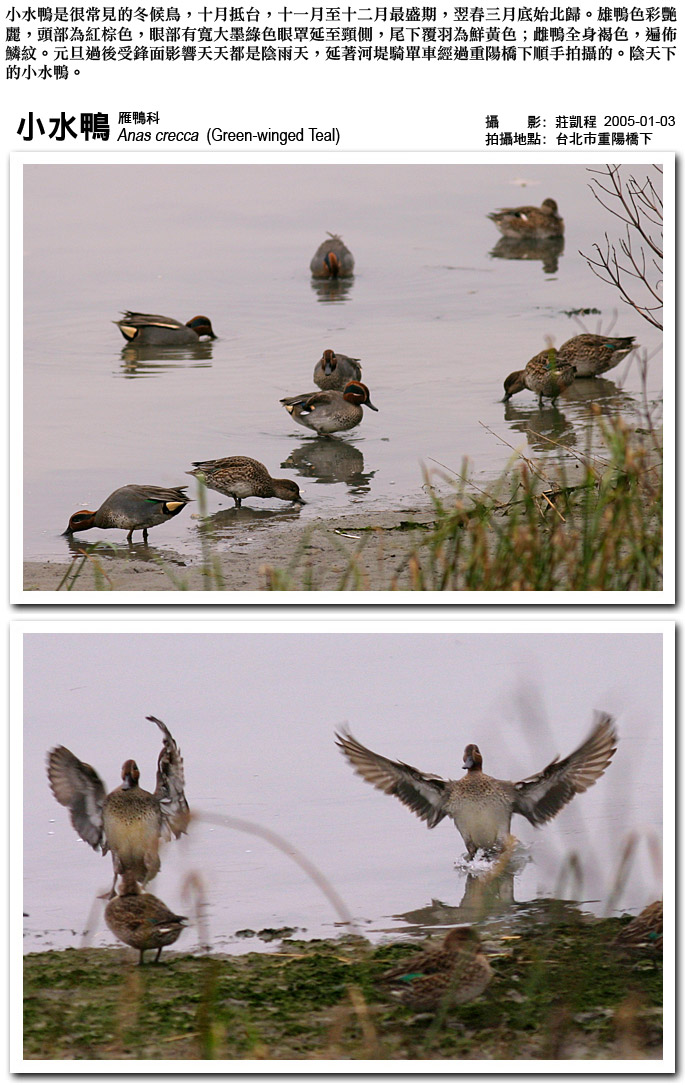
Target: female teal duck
{"points": [[593, 355], [481, 806], [141, 920], [329, 412], [534, 223], [335, 371], [132, 508], [332, 259], [152, 330], [455, 972], [239, 477], [645, 931], [129, 822], [547, 374]]}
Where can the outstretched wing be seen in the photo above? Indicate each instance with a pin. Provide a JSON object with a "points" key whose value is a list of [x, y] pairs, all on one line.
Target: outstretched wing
{"points": [[170, 784], [539, 798], [422, 793], [78, 786]]}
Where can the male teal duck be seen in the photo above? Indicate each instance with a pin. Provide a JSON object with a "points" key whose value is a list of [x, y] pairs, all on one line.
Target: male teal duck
{"points": [[457, 971], [481, 806], [239, 477], [536, 223], [141, 920], [335, 371], [129, 822], [152, 330], [593, 355], [132, 508], [646, 931], [547, 374], [329, 412], [332, 259]]}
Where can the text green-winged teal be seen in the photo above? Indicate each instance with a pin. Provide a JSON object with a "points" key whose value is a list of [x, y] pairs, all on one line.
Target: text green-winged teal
{"points": [[329, 412], [129, 822], [132, 508], [152, 330], [332, 259], [239, 477], [481, 806], [593, 355], [335, 371], [141, 920], [646, 931], [536, 223], [456, 971], [547, 374]]}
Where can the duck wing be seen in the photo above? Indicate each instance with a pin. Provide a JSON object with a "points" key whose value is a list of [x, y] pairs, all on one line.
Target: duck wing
{"points": [[78, 786], [421, 792], [539, 798], [169, 791], [145, 320], [159, 493]]}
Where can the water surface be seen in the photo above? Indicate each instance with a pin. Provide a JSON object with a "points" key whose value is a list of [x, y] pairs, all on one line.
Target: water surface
{"points": [[438, 312]]}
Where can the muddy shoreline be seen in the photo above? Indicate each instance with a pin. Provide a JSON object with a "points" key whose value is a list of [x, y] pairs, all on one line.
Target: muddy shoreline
{"points": [[366, 551]]}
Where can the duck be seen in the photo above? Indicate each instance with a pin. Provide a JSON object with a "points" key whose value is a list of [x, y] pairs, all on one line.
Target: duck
{"points": [[645, 931], [142, 920], [593, 355], [332, 259], [128, 822], [152, 330], [536, 223], [240, 476], [482, 806], [330, 412], [335, 371], [547, 374], [454, 972], [133, 507]]}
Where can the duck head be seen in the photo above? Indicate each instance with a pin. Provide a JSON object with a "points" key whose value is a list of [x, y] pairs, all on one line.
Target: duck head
{"points": [[333, 264], [201, 325], [80, 521], [356, 392], [462, 937], [288, 490], [550, 206], [473, 760], [329, 361], [130, 774], [513, 384]]}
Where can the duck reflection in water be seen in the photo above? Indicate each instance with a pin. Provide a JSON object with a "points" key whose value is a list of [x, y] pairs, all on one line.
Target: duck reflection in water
{"points": [[218, 524], [153, 361], [546, 252], [330, 461], [540, 425], [332, 291]]}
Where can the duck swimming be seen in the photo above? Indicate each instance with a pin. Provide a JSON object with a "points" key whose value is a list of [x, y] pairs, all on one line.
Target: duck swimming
{"points": [[329, 412], [482, 806], [152, 330], [129, 822], [141, 920], [132, 508], [535, 223], [334, 371], [332, 259]]}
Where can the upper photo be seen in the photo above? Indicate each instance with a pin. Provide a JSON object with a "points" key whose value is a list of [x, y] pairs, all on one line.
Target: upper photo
{"points": [[258, 382]]}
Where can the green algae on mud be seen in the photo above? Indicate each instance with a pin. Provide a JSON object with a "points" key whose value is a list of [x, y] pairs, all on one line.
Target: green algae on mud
{"points": [[560, 991]]}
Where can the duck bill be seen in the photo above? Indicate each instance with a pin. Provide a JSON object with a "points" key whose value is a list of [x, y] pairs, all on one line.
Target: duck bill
{"points": [[299, 501], [68, 533], [370, 404]]}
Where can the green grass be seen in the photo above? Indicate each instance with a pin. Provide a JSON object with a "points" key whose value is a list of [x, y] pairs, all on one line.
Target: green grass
{"points": [[560, 991]]}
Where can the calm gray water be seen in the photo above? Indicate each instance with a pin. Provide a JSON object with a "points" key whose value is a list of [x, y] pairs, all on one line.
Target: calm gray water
{"points": [[254, 715], [436, 318]]}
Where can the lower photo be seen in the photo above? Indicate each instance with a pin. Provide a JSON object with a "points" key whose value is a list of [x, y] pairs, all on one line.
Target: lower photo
{"points": [[343, 847]]}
